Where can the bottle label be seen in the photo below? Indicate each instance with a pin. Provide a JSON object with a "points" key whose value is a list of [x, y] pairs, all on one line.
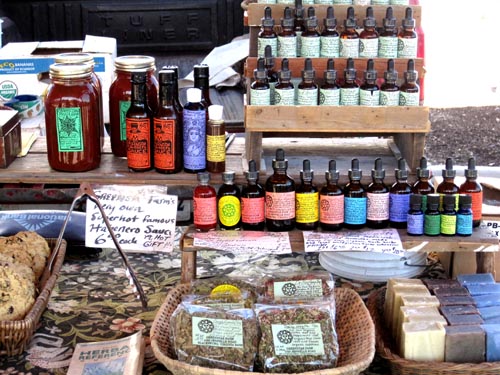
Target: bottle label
{"points": [[310, 46], [280, 206], [331, 209], [354, 210], [263, 42], [389, 98], [369, 98], [267, 1], [381, 2], [415, 224], [477, 205], [216, 148], [278, 2], [330, 46], [69, 129], [432, 225], [260, 97], [307, 2], [399, 205], [299, 42], [284, 97], [287, 46], [307, 207], [307, 97], [441, 198], [194, 134], [204, 211], [349, 48], [368, 48], [349, 96], [377, 206], [272, 92], [229, 210], [342, 2], [124, 107], [400, 2], [329, 97], [424, 202], [222, 333], [407, 48], [464, 224], [449, 224], [388, 47], [164, 144], [410, 99], [139, 143], [252, 210]]}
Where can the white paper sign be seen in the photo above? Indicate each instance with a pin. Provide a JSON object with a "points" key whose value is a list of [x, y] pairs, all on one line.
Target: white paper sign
{"points": [[142, 218], [378, 241], [243, 242], [493, 226]]}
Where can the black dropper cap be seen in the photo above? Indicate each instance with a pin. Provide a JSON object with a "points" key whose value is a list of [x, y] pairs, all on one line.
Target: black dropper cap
{"points": [[267, 20], [354, 173], [449, 202], [252, 174], [285, 74], [389, 22], [330, 73], [416, 202], [311, 20], [287, 20], [268, 57], [401, 171], [408, 22], [411, 74], [306, 174], [166, 77], [433, 201], [308, 72], [378, 171], [471, 171], [332, 173], [390, 75], [449, 171], [465, 201], [260, 72], [349, 71], [350, 21], [330, 21], [369, 21], [201, 71], [299, 10], [203, 177], [422, 171], [280, 162], [370, 72]]}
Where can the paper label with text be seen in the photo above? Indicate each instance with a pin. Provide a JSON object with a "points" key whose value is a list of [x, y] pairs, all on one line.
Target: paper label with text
{"points": [[245, 241]]}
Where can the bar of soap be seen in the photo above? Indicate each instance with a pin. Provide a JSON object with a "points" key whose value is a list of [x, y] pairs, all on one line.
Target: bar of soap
{"points": [[417, 314], [398, 292], [489, 312], [464, 319], [450, 291], [480, 289], [456, 300], [423, 341], [436, 283], [476, 278], [465, 344], [487, 300], [422, 301], [389, 294], [492, 342], [459, 309]]}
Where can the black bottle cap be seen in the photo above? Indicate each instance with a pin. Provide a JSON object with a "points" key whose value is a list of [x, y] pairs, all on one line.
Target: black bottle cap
{"points": [[401, 171], [411, 74], [268, 57], [201, 70], [138, 77], [449, 202], [285, 74], [471, 171], [354, 173], [433, 201], [330, 73], [389, 21], [203, 177], [408, 22], [175, 68], [369, 21], [166, 76], [260, 72], [311, 20], [378, 171], [280, 162], [390, 75], [252, 174], [332, 173], [287, 20], [370, 72], [416, 202], [449, 171], [465, 201], [299, 9], [422, 171], [350, 21], [349, 71], [330, 21], [267, 20], [306, 174], [228, 176], [308, 72]]}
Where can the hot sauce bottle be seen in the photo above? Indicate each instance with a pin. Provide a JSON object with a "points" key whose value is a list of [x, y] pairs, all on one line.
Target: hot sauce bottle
{"points": [[448, 186], [399, 197], [204, 204], [377, 197], [201, 75], [354, 199], [331, 200], [139, 127], [216, 140], [253, 200], [306, 200], [330, 37], [473, 188], [423, 186], [194, 124], [228, 203]]}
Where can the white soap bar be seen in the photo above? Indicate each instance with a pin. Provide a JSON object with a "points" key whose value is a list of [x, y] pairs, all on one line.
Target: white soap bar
{"points": [[404, 290], [417, 314], [423, 341], [420, 301], [391, 283]]}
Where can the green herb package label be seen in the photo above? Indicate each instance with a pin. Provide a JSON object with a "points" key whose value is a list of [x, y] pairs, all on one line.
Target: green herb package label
{"points": [[223, 333], [298, 339], [298, 288]]}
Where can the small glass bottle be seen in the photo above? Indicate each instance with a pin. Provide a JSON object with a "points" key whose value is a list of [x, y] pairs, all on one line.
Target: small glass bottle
{"points": [[272, 75], [369, 92], [377, 198], [284, 92], [228, 203], [331, 200], [177, 102], [216, 140], [448, 186], [299, 24], [194, 132], [204, 204], [354, 199], [432, 217], [280, 196], [409, 93], [349, 37], [330, 37], [167, 128], [287, 39], [448, 216], [388, 37], [201, 74], [349, 91], [407, 37], [307, 90], [473, 188], [399, 197], [253, 200], [423, 185], [389, 90], [260, 91], [415, 216], [329, 92], [310, 38], [306, 200], [267, 35], [140, 148], [368, 38], [464, 215]]}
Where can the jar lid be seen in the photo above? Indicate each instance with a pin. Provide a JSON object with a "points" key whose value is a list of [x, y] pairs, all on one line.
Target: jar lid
{"points": [[58, 70], [133, 63], [74, 58]]}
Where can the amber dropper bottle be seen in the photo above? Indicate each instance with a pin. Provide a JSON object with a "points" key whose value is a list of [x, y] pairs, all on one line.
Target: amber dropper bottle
{"points": [[473, 188], [354, 199], [330, 37], [267, 35], [423, 185], [349, 37], [399, 197], [307, 200], [253, 200], [448, 186], [377, 196], [331, 200]]}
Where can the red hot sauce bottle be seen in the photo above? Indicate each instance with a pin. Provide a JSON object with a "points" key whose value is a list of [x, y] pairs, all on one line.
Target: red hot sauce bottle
{"points": [[204, 204]]}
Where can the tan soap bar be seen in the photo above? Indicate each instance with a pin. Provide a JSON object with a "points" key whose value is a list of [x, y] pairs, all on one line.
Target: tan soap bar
{"points": [[399, 292], [418, 314], [389, 293], [420, 301], [423, 341]]}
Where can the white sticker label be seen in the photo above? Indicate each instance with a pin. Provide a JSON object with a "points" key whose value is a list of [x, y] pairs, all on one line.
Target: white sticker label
{"points": [[407, 48], [284, 97], [389, 98], [310, 46], [349, 48], [224, 333], [298, 288], [330, 46], [349, 96], [263, 42], [298, 339], [388, 47], [287, 46], [368, 48], [307, 97], [411, 99], [260, 97], [329, 97], [369, 98]]}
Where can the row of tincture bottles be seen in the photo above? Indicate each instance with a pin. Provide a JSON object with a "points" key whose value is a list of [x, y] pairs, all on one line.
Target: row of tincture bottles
{"points": [[276, 88], [282, 206], [309, 40], [341, 2]]}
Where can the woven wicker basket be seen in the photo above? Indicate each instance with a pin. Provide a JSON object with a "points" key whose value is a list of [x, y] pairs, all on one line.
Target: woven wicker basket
{"points": [[400, 366], [354, 328], [16, 335]]}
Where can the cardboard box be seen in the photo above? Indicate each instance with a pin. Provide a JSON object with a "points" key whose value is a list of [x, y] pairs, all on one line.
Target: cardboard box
{"points": [[24, 67], [10, 137]]}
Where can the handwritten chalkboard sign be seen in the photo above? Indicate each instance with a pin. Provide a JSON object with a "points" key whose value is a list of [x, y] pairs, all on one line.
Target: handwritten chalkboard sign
{"points": [[142, 218]]}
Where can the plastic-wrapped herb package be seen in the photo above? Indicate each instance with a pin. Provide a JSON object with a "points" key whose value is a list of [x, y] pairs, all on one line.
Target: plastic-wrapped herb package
{"points": [[214, 338], [297, 338], [298, 286]]}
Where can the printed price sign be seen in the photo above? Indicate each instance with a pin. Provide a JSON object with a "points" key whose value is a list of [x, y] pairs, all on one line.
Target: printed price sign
{"points": [[142, 218]]}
